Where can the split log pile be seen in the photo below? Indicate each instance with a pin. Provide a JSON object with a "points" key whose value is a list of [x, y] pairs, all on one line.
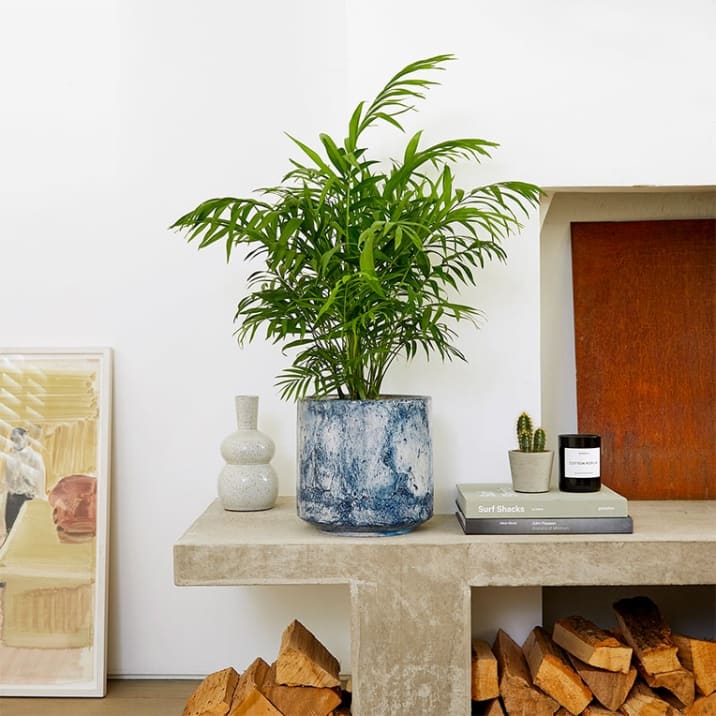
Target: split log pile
{"points": [[303, 681], [639, 669]]}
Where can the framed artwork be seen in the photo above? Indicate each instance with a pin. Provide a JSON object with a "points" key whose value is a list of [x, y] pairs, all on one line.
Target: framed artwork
{"points": [[55, 420]]}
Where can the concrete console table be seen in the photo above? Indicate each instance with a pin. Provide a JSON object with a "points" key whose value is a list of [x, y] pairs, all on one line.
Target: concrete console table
{"points": [[410, 595]]}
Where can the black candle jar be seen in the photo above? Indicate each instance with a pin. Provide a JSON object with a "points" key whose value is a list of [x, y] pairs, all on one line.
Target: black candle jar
{"points": [[580, 463]]}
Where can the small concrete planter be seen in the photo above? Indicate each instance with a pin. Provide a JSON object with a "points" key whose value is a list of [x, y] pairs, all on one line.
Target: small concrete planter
{"points": [[531, 471], [365, 466]]}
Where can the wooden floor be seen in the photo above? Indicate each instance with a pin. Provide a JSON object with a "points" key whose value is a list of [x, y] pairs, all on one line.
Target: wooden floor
{"points": [[124, 698]]}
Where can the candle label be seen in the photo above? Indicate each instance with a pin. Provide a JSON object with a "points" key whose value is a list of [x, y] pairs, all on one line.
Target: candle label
{"points": [[581, 462]]}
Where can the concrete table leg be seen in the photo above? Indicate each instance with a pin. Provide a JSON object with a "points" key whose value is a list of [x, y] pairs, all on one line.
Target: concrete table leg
{"points": [[411, 637]]}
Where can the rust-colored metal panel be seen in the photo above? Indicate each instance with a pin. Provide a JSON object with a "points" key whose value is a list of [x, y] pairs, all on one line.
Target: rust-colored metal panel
{"points": [[645, 334]]}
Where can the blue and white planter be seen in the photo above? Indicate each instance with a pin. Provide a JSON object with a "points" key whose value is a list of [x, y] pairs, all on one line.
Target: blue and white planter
{"points": [[365, 466]]}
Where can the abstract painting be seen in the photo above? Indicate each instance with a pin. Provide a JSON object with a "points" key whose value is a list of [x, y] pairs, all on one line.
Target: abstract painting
{"points": [[55, 410]]}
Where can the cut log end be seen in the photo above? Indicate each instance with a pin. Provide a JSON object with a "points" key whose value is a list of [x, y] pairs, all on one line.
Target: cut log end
{"points": [[214, 694], [516, 690], [484, 681], [648, 634], [610, 688], [699, 657], [642, 701], [300, 700], [249, 699], [592, 644], [304, 661], [551, 672]]}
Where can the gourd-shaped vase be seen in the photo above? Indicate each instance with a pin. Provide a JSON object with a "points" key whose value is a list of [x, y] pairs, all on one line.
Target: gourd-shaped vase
{"points": [[247, 482]]}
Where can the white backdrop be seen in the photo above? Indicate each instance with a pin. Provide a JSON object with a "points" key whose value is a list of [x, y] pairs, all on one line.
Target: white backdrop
{"points": [[117, 117]]}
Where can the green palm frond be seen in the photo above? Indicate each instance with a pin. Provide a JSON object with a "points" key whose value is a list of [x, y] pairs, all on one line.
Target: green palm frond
{"points": [[360, 261]]}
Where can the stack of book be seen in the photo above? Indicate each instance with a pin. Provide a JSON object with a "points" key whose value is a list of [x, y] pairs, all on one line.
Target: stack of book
{"points": [[497, 509]]}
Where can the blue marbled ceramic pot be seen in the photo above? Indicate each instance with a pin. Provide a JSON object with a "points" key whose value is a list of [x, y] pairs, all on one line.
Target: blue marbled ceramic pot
{"points": [[365, 466]]}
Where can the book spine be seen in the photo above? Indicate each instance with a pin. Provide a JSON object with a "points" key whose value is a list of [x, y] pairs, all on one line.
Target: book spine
{"points": [[559, 525]]}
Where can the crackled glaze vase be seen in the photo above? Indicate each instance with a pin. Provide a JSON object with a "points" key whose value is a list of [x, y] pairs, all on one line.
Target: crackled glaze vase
{"points": [[365, 466], [247, 482]]}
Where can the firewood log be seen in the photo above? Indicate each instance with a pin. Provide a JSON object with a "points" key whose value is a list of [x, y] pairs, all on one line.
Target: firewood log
{"points": [[702, 706], [519, 696], [646, 632], [248, 699], [300, 700], [679, 682], [642, 701], [592, 644], [699, 657], [484, 680], [304, 661], [610, 688], [551, 672], [213, 695]]}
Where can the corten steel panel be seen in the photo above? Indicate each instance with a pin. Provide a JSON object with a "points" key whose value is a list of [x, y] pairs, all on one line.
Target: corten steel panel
{"points": [[644, 315]]}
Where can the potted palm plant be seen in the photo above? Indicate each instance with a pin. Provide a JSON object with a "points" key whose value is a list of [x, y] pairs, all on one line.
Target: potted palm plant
{"points": [[360, 263]]}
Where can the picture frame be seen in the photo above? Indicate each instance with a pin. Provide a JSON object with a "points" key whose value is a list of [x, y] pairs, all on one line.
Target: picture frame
{"points": [[55, 435]]}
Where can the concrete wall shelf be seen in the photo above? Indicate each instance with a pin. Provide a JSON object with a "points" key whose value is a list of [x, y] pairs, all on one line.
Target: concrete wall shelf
{"points": [[411, 594]]}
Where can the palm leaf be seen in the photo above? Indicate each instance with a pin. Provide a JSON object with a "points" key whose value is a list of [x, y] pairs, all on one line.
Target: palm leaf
{"points": [[360, 263]]}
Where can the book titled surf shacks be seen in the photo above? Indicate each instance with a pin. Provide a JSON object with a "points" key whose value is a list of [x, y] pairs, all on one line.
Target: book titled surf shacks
{"points": [[490, 500], [496, 508]]}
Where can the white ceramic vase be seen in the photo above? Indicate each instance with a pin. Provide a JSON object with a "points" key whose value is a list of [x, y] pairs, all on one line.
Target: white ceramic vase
{"points": [[247, 482]]}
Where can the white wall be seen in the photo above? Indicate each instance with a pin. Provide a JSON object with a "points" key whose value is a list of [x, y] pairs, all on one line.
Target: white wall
{"points": [[119, 116]]}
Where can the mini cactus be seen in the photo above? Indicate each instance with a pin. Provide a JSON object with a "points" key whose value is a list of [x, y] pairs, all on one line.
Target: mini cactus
{"points": [[529, 440]]}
